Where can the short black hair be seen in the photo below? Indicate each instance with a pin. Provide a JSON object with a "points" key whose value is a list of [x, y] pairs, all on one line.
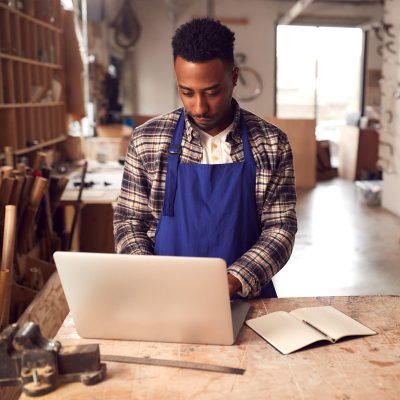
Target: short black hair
{"points": [[204, 39]]}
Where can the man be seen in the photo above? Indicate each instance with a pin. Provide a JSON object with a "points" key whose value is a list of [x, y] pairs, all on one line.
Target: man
{"points": [[211, 179]]}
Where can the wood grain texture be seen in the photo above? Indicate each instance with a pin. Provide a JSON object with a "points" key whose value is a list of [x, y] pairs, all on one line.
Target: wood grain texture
{"points": [[363, 368], [301, 135]]}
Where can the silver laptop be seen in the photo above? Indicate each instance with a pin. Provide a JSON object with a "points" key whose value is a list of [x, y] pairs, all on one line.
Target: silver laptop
{"points": [[151, 298]]}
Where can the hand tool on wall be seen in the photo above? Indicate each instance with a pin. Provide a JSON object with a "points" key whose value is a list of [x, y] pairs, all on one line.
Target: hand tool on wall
{"points": [[17, 190], [39, 161], [39, 365], [77, 206], [5, 171], [26, 229], [8, 156], [51, 239], [6, 190], [56, 189], [24, 200], [7, 263]]}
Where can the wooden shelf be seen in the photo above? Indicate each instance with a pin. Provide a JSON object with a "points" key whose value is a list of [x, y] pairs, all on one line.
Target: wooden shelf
{"points": [[31, 70], [30, 18], [30, 61], [29, 105], [39, 146]]}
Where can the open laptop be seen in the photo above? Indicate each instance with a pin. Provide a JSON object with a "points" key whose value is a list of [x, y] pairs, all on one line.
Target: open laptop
{"points": [[150, 298]]}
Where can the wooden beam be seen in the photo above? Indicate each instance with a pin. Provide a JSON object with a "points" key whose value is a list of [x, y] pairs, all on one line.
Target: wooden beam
{"points": [[295, 11]]}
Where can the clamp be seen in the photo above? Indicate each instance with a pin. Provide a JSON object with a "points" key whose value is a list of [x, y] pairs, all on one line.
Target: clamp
{"points": [[40, 365]]}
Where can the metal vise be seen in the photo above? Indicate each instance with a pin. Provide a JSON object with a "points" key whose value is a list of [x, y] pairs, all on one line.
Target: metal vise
{"points": [[40, 365]]}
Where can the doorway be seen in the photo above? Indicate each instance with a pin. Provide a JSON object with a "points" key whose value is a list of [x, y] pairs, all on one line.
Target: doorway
{"points": [[319, 76]]}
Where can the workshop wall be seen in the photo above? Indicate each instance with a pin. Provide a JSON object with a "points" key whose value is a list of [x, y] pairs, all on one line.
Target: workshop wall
{"points": [[152, 67], [389, 134], [155, 85]]}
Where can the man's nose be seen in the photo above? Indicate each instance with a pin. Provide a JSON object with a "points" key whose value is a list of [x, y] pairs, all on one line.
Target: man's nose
{"points": [[200, 106]]}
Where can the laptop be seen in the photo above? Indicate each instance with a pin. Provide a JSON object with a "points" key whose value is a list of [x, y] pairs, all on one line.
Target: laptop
{"points": [[150, 298]]}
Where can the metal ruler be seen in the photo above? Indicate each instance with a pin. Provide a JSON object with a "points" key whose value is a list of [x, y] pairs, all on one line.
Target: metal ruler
{"points": [[173, 363]]}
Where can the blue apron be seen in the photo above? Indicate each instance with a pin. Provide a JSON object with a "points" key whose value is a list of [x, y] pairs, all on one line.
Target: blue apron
{"points": [[209, 210]]}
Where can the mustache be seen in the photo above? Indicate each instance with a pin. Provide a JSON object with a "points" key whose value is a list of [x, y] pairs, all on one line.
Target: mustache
{"points": [[199, 115]]}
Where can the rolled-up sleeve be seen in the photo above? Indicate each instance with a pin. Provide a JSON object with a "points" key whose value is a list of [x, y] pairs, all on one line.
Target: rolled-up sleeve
{"points": [[132, 215], [278, 227]]}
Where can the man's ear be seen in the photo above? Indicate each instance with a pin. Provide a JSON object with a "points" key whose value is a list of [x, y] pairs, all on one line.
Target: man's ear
{"points": [[235, 75]]}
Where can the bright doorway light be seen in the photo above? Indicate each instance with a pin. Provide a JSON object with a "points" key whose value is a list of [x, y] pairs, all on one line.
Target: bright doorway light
{"points": [[319, 75]]}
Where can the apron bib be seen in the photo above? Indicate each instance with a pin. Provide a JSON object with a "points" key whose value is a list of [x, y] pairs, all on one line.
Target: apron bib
{"points": [[209, 210]]}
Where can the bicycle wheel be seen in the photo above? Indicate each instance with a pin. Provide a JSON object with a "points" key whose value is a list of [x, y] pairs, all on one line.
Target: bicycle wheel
{"points": [[249, 84]]}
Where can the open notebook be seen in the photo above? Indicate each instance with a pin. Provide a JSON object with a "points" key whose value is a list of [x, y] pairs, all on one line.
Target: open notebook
{"points": [[291, 331]]}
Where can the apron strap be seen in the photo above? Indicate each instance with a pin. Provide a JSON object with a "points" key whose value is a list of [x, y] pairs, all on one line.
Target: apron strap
{"points": [[248, 155], [171, 180]]}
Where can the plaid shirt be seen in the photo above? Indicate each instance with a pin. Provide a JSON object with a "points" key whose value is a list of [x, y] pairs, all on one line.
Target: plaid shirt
{"points": [[142, 193]]}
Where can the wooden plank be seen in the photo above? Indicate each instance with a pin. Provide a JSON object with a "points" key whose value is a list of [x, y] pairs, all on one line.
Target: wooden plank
{"points": [[29, 17], [21, 127], [8, 136], [368, 151], [8, 82], [29, 134], [362, 368], [29, 105], [35, 43], [348, 150], [16, 31], [301, 135], [5, 33], [19, 82], [1, 84]]}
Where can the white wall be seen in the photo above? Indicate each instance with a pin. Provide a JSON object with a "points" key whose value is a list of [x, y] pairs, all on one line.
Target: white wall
{"points": [[154, 66], [257, 41], [152, 69], [374, 60], [390, 132]]}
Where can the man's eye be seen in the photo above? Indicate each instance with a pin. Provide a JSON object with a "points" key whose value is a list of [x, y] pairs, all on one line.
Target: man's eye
{"points": [[187, 94], [213, 93]]}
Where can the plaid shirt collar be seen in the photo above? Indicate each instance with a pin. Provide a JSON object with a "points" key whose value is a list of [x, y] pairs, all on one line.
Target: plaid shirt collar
{"points": [[234, 136]]}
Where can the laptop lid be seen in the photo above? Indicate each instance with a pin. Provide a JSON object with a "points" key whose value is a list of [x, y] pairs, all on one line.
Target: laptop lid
{"points": [[151, 298]]}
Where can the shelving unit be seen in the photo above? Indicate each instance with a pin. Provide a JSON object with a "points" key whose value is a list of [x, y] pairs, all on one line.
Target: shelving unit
{"points": [[32, 107]]}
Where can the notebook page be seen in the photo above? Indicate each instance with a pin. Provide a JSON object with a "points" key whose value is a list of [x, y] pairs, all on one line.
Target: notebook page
{"points": [[284, 332], [331, 321]]}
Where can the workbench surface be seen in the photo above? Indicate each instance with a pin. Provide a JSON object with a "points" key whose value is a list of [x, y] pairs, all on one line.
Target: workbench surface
{"points": [[360, 368]]}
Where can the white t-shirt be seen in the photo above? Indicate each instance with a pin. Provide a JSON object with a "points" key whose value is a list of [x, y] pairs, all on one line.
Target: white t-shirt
{"points": [[216, 150]]}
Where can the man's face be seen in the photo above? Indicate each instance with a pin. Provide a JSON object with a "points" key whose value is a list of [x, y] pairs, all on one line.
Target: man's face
{"points": [[206, 92]]}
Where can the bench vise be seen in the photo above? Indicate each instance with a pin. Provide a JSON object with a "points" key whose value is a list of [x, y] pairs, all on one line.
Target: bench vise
{"points": [[40, 365]]}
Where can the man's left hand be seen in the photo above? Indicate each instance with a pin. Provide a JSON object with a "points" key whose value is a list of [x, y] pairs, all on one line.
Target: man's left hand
{"points": [[233, 284]]}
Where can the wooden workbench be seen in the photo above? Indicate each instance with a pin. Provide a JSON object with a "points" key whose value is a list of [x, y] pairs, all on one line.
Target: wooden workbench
{"points": [[361, 368]]}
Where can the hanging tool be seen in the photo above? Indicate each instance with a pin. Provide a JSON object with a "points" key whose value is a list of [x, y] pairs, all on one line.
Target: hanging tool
{"points": [[77, 206], [56, 189], [7, 263], [6, 190], [17, 191], [40, 365], [126, 25], [28, 219], [174, 364], [24, 199]]}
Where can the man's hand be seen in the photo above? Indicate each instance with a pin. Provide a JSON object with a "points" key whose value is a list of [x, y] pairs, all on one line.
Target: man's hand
{"points": [[233, 284]]}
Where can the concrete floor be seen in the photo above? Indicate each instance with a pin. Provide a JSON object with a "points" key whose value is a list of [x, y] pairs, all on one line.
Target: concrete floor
{"points": [[343, 247]]}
